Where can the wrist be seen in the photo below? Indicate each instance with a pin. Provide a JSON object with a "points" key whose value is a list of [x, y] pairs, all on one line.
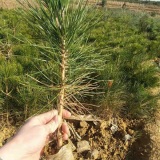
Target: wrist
{"points": [[10, 151]]}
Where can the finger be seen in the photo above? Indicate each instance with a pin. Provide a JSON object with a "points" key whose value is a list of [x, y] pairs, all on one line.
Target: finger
{"points": [[66, 114], [65, 136], [65, 128], [65, 131], [47, 117], [53, 124]]}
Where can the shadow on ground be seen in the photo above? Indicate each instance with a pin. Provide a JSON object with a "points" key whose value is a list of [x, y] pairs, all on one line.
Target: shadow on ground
{"points": [[141, 148]]}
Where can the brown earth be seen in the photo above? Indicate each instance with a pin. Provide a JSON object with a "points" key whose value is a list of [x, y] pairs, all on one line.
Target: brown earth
{"points": [[101, 140], [154, 129], [10, 4], [130, 6], [111, 139]]}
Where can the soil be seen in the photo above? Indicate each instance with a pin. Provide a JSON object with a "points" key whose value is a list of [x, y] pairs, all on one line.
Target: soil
{"points": [[111, 139], [129, 5], [154, 129]]}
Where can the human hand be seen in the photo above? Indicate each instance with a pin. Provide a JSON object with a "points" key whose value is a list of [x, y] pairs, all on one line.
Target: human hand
{"points": [[29, 141]]}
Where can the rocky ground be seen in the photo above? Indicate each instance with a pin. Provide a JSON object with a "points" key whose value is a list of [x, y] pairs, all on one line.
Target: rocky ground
{"points": [[95, 139], [110, 137], [100, 139]]}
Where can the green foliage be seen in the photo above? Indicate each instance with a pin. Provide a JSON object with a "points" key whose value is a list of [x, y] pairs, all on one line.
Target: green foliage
{"points": [[120, 50], [32, 97], [16, 59], [69, 66], [10, 73], [131, 50]]}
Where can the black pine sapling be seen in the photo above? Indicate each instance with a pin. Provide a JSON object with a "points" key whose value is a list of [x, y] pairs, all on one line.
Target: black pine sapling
{"points": [[70, 63]]}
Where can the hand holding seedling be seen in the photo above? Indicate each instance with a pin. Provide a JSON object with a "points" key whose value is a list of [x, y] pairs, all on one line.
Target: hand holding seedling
{"points": [[29, 141]]}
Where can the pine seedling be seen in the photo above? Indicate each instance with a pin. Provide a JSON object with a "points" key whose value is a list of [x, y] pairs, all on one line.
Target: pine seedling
{"points": [[70, 66], [10, 73], [104, 2]]}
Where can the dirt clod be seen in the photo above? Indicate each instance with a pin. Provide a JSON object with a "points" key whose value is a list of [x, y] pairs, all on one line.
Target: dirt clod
{"points": [[83, 146], [65, 153], [97, 141], [94, 154]]}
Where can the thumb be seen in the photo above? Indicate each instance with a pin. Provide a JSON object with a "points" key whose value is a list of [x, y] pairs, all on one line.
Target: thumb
{"points": [[53, 124]]}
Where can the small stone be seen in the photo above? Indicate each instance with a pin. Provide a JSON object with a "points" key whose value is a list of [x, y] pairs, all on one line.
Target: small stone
{"points": [[84, 124], [95, 154], [127, 137], [64, 153], [83, 146], [158, 123], [114, 128], [82, 131], [130, 131]]}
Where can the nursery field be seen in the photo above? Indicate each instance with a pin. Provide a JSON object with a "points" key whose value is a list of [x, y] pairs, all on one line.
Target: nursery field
{"points": [[131, 5], [103, 65], [110, 4]]}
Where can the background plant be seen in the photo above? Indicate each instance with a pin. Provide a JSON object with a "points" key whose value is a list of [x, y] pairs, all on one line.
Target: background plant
{"points": [[130, 63], [104, 3]]}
